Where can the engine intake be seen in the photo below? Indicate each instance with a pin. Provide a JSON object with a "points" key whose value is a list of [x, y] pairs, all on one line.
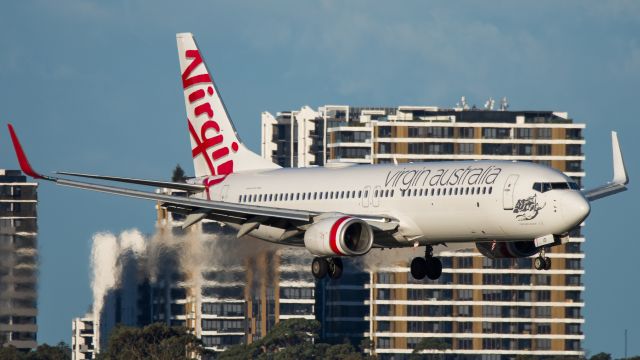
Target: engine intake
{"points": [[339, 236], [511, 249]]}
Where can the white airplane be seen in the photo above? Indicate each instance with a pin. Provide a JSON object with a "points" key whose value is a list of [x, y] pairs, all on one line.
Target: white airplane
{"points": [[506, 209]]}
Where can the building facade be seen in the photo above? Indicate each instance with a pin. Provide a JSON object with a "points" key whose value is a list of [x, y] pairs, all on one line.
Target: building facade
{"points": [[82, 336], [480, 308], [236, 297], [18, 260], [200, 279]]}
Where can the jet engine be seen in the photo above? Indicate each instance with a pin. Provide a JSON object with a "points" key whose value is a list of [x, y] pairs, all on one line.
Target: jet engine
{"points": [[339, 236], [511, 249]]}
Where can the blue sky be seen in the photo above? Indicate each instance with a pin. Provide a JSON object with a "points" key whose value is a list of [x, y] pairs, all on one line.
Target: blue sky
{"points": [[94, 86]]}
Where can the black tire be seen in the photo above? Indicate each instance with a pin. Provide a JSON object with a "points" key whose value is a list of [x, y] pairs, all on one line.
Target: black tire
{"points": [[434, 268], [418, 268], [319, 267], [539, 263], [335, 268], [547, 263]]}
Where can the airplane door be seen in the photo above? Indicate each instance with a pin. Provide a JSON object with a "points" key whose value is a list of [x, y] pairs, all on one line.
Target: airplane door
{"points": [[507, 192], [366, 196], [375, 196]]}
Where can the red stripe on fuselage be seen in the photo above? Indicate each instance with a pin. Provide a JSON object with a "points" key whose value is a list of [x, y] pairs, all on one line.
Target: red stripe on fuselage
{"points": [[333, 241]]}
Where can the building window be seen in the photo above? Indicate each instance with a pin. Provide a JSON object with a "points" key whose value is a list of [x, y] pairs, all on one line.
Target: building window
{"points": [[466, 148], [496, 133], [523, 133], [430, 132], [467, 133], [525, 149], [574, 134], [497, 149], [384, 131], [543, 150], [544, 133], [384, 148], [543, 344], [430, 148]]}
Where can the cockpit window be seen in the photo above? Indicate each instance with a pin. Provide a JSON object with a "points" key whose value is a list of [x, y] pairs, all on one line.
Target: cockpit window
{"points": [[546, 186]]}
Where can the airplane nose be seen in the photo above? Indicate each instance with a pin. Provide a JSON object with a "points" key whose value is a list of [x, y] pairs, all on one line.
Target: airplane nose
{"points": [[577, 209]]}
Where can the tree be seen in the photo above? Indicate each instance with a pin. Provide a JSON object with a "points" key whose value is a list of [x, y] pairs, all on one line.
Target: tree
{"points": [[178, 174], [430, 344], [155, 341], [11, 353], [292, 340], [601, 356], [62, 351]]}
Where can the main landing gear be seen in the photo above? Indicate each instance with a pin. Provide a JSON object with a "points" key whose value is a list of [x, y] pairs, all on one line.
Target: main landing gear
{"points": [[428, 266], [321, 267], [542, 262]]}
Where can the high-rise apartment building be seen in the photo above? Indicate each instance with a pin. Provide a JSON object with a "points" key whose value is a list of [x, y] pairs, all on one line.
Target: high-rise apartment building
{"points": [[18, 260], [201, 278], [232, 296], [480, 308]]}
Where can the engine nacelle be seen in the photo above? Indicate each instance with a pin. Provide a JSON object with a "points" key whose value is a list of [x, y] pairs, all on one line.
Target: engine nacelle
{"points": [[511, 249], [339, 236]]}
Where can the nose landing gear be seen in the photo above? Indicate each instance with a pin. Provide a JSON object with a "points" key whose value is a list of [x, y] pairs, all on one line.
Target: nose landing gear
{"points": [[542, 262], [321, 267], [428, 266]]}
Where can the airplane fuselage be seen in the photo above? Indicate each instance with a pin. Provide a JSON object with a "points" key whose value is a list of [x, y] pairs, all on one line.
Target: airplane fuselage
{"points": [[435, 202]]}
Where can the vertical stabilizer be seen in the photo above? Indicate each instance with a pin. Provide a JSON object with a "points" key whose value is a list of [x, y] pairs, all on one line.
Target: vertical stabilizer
{"points": [[215, 145]]}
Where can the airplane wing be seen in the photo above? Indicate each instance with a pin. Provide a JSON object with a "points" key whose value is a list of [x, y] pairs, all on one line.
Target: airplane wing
{"points": [[196, 209], [192, 188], [620, 178]]}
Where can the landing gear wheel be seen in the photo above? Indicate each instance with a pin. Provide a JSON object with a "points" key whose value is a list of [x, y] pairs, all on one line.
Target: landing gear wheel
{"points": [[547, 263], [418, 268], [335, 268], [319, 267], [539, 263], [434, 268]]}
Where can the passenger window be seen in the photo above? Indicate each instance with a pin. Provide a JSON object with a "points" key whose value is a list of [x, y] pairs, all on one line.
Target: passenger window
{"points": [[360, 194], [375, 193], [484, 190], [490, 189], [392, 193], [432, 191]]}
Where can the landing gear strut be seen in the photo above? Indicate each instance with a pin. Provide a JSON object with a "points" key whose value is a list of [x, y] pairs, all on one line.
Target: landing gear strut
{"points": [[321, 267], [542, 262], [428, 266]]}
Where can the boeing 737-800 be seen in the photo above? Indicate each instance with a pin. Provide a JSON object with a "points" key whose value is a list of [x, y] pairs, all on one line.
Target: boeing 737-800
{"points": [[505, 209]]}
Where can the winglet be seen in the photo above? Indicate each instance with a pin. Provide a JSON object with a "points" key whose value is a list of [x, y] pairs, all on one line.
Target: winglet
{"points": [[620, 178], [619, 170], [22, 158]]}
